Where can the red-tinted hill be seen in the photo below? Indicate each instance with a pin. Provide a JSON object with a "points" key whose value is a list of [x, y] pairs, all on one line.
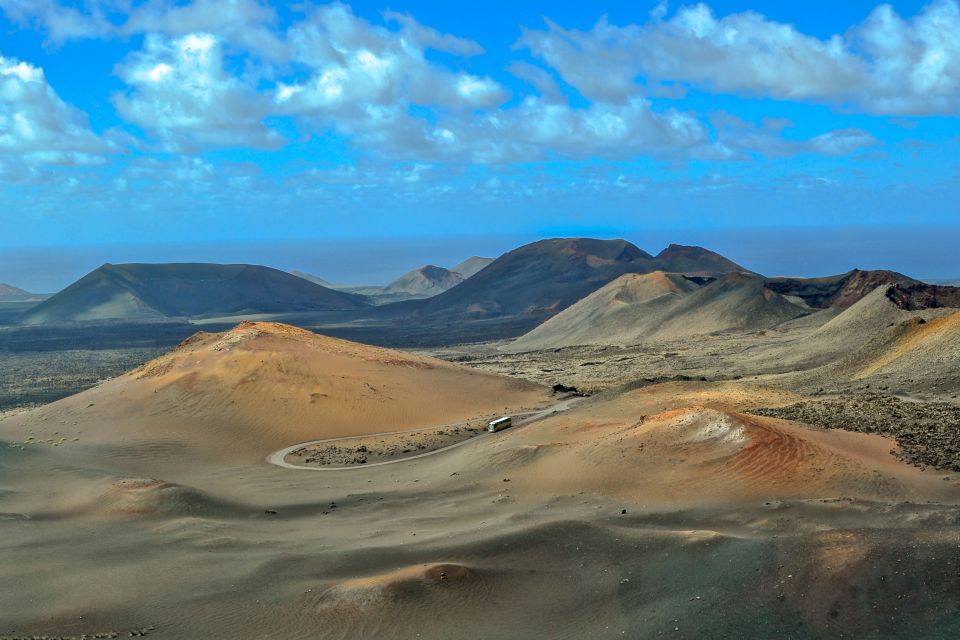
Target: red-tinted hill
{"points": [[840, 291]]}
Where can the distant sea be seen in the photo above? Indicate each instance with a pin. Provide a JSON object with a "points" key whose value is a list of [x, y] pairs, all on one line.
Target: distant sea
{"points": [[929, 253]]}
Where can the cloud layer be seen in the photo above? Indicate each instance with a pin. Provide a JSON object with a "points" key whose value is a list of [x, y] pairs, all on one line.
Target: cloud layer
{"points": [[885, 65], [214, 74], [233, 106]]}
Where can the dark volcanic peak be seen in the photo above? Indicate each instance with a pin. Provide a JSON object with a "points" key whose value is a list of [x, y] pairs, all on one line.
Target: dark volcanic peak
{"points": [[840, 291], [537, 279], [144, 291], [540, 279], [610, 250], [678, 258]]}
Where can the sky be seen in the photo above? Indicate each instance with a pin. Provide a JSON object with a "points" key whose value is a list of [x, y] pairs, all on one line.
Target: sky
{"points": [[199, 123]]}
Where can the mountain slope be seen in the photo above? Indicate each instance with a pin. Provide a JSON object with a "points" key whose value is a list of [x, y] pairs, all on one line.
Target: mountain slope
{"points": [[658, 306], [923, 348], [692, 260], [261, 386], [471, 266], [535, 280], [145, 291], [425, 281], [316, 279], [11, 293], [735, 302], [840, 291], [610, 314]]}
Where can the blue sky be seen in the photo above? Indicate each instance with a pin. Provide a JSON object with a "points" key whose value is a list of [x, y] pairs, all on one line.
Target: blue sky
{"points": [[201, 121]]}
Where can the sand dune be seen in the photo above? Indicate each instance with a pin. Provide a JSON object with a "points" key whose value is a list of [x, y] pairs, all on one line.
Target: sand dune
{"points": [[655, 306], [136, 498], [262, 386]]}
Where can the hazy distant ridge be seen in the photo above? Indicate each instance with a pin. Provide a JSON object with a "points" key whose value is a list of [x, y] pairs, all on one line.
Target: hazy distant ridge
{"points": [[150, 291]]}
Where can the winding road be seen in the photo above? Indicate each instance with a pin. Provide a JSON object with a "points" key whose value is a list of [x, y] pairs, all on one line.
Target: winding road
{"points": [[278, 458]]}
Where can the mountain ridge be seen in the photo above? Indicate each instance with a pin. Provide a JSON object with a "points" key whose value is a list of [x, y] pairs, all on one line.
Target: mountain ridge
{"points": [[153, 291]]}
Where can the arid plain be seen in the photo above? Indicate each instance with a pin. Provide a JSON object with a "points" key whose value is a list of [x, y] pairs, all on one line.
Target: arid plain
{"points": [[699, 452]]}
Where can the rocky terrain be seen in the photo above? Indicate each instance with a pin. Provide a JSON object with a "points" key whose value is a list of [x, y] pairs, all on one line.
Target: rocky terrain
{"points": [[371, 450], [927, 433]]}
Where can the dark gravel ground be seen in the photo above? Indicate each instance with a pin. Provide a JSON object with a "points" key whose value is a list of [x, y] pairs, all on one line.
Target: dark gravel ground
{"points": [[928, 432]]}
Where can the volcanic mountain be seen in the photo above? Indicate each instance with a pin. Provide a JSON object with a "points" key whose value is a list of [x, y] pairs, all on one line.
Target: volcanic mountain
{"points": [[541, 279], [678, 258], [148, 291], [424, 282], [262, 386], [840, 291], [9, 292], [921, 348], [471, 266], [316, 280], [612, 313], [639, 308]]}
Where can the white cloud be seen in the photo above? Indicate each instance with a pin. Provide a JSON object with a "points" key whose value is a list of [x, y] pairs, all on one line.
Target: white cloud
{"points": [[427, 38], [357, 65], [247, 24], [841, 142], [213, 73], [886, 65], [181, 92], [739, 139], [608, 129], [64, 22], [36, 126], [364, 81], [540, 79], [250, 24]]}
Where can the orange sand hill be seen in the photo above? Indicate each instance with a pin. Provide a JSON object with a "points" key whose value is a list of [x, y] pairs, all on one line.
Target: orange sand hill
{"points": [[690, 444], [262, 386]]}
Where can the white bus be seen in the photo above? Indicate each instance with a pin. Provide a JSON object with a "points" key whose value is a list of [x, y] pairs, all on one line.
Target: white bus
{"points": [[500, 424]]}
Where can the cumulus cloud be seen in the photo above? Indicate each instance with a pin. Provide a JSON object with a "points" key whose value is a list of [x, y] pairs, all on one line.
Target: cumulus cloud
{"points": [[247, 23], [426, 38], [180, 91], [885, 65], [357, 63], [36, 126], [538, 128], [62, 21], [213, 73]]}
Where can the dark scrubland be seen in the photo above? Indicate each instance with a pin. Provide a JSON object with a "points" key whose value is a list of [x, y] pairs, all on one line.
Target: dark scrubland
{"points": [[928, 433]]}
